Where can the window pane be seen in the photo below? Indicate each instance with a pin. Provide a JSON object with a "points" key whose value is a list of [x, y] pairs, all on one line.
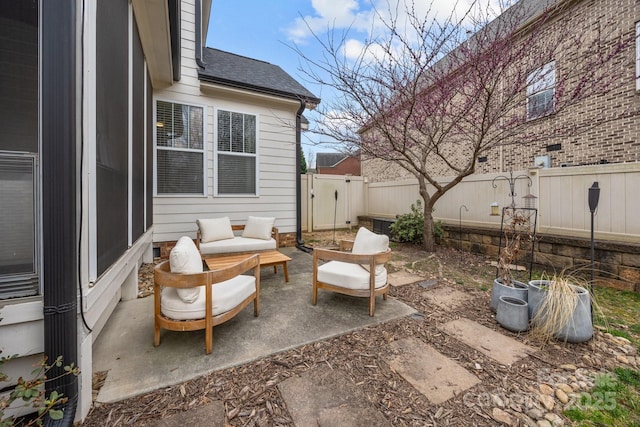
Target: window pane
{"points": [[179, 172], [236, 174], [237, 127], [195, 128], [249, 134], [540, 104], [224, 131], [164, 123], [18, 276]]}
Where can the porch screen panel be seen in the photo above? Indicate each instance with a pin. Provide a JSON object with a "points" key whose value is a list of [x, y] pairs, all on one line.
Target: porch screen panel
{"points": [[19, 76], [19, 171], [138, 142], [112, 131]]}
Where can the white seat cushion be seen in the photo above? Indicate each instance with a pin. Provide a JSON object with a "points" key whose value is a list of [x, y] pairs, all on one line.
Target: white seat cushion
{"points": [[185, 259], [237, 244], [347, 275], [226, 295], [212, 229], [367, 243]]}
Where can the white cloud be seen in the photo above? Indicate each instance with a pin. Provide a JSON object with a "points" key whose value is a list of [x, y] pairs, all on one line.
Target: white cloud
{"points": [[364, 16]]}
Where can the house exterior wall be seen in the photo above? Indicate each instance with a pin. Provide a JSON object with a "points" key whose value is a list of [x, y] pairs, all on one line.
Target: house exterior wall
{"points": [[348, 166], [175, 216], [606, 131]]}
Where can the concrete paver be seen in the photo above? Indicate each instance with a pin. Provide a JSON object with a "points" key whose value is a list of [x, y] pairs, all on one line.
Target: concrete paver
{"points": [[328, 398], [436, 376], [401, 278], [500, 348], [211, 415], [446, 297]]}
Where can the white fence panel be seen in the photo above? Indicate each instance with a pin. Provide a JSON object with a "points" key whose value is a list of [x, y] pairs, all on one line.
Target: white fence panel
{"points": [[561, 199]]}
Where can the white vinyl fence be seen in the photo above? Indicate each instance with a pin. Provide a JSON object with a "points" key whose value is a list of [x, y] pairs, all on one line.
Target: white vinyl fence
{"points": [[561, 196]]}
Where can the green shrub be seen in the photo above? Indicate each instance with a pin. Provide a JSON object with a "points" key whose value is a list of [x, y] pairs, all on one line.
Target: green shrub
{"points": [[409, 227], [32, 394]]}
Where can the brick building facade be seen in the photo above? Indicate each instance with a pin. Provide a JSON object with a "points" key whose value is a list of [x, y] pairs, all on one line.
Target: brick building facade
{"points": [[601, 128]]}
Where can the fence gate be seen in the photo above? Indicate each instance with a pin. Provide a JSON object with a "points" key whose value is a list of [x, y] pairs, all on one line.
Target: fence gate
{"points": [[333, 201]]}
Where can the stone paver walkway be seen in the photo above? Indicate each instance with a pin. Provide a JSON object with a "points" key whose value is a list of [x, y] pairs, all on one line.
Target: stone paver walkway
{"points": [[436, 376], [502, 349], [325, 397]]}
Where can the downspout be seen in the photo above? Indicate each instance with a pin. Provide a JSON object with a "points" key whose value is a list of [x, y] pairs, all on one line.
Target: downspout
{"points": [[198, 47], [59, 198], [299, 242]]}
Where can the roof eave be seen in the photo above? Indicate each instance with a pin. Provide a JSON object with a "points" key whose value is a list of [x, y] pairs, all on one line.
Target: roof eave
{"points": [[311, 102], [152, 18]]}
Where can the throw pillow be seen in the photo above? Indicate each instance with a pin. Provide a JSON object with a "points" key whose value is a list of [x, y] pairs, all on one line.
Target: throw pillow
{"points": [[367, 242], [258, 228], [213, 229], [185, 259]]}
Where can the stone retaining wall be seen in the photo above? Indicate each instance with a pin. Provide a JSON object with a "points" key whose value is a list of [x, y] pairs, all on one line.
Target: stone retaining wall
{"points": [[617, 265]]}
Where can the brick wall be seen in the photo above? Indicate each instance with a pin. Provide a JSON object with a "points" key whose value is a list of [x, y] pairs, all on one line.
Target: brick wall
{"points": [[599, 129]]}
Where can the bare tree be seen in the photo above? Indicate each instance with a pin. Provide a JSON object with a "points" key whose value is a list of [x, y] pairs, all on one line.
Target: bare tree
{"points": [[434, 95]]}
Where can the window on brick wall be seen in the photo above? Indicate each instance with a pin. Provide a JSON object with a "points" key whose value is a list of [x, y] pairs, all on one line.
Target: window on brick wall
{"points": [[541, 88], [638, 55]]}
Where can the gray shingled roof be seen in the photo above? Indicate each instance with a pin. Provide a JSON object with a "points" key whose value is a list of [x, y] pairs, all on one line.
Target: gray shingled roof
{"points": [[327, 160], [237, 71]]}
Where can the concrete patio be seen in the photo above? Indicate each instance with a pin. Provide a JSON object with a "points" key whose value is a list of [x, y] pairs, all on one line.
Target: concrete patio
{"points": [[287, 320]]}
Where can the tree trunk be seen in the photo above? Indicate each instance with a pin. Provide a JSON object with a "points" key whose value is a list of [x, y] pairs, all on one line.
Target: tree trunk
{"points": [[427, 233]]}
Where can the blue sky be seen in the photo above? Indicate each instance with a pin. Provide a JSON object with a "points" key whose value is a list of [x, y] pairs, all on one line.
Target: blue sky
{"points": [[265, 30]]}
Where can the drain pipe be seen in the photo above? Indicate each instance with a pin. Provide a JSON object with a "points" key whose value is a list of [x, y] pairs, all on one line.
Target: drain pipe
{"points": [[299, 242], [59, 199]]}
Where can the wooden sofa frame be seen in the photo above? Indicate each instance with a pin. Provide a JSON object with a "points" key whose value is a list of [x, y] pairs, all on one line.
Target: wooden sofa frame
{"points": [[164, 278]]}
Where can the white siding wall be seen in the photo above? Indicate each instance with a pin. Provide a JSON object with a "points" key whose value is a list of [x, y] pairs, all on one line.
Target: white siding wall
{"points": [[176, 216]]}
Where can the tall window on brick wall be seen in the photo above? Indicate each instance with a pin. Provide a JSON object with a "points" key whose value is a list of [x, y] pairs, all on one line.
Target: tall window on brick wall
{"points": [[179, 149], [237, 159], [541, 84], [637, 55]]}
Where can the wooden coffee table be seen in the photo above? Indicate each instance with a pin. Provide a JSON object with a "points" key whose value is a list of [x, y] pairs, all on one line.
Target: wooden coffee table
{"points": [[267, 259]]}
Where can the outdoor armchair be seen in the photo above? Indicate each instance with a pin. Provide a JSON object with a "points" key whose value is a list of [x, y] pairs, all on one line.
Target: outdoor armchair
{"points": [[361, 272], [186, 298]]}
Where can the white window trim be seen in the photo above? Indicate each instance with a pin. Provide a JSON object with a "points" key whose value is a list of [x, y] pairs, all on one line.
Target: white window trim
{"points": [[530, 83], [216, 152], [205, 169]]}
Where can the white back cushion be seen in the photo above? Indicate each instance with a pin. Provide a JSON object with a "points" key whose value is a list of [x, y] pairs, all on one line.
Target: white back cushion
{"points": [[214, 229], [368, 242], [258, 227], [185, 259]]}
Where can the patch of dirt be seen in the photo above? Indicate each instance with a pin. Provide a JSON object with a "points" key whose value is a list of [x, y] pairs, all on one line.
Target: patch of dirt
{"points": [[251, 397]]}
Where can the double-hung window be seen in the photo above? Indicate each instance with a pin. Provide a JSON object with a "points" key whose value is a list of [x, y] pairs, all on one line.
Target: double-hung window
{"points": [[541, 88], [237, 159], [180, 155]]}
